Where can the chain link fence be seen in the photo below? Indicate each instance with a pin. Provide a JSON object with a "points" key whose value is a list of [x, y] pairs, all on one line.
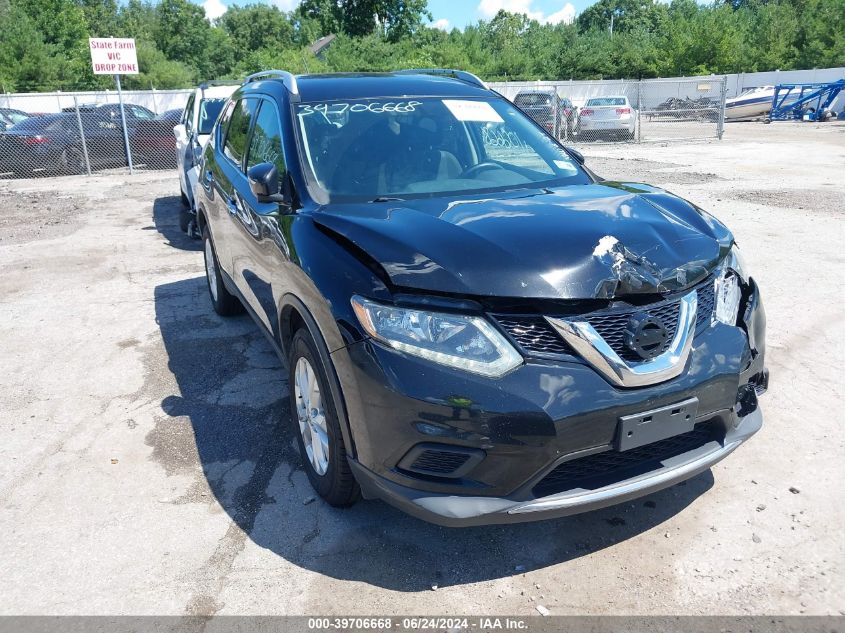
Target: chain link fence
{"points": [[623, 111], [52, 134]]}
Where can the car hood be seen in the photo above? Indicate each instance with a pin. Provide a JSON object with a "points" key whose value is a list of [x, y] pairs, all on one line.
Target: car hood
{"points": [[596, 241]]}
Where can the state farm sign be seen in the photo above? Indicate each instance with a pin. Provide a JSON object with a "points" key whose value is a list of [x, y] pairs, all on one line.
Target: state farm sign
{"points": [[113, 55]]}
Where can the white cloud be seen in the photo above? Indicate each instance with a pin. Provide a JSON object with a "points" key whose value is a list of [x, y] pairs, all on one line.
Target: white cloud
{"points": [[286, 5], [213, 9], [565, 15], [442, 24], [487, 9]]}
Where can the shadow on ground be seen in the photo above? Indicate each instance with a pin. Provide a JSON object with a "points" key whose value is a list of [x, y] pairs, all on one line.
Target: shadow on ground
{"points": [[166, 221], [231, 414]]}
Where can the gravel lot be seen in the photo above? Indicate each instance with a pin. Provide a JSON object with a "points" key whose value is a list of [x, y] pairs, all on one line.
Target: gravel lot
{"points": [[149, 463]]}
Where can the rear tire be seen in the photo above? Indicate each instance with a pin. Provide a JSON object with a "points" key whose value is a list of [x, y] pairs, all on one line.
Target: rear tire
{"points": [[316, 425], [223, 302]]}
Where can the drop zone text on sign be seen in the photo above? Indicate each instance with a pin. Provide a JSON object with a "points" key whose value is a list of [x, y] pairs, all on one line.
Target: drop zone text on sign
{"points": [[113, 55]]}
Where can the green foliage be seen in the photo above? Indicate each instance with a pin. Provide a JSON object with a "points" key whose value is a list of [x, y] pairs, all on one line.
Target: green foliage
{"points": [[255, 27], [44, 43], [393, 19]]}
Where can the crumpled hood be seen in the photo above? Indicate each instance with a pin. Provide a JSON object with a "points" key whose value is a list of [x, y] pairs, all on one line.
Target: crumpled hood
{"points": [[578, 242]]}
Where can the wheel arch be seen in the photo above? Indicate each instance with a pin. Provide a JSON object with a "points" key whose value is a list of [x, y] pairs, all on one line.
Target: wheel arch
{"points": [[202, 221], [293, 315]]}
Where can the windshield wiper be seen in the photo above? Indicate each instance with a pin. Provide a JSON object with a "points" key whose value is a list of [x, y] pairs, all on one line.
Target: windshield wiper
{"points": [[387, 199]]}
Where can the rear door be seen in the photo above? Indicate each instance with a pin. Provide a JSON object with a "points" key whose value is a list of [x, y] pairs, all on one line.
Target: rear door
{"points": [[103, 139]]}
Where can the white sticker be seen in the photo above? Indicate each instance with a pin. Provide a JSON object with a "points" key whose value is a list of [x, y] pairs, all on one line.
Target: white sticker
{"points": [[473, 111], [563, 164]]}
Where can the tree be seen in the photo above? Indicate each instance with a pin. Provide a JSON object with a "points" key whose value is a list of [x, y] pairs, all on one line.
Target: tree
{"points": [[182, 33], [255, 27], [627, 15], [395, 19]]}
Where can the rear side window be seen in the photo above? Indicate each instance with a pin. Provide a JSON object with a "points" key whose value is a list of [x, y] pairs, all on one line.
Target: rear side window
{"points": [[266, 143], [188, 115], [236, 135]]}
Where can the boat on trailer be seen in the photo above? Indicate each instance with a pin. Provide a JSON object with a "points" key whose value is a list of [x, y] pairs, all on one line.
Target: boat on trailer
{"points": [[750, 104]]}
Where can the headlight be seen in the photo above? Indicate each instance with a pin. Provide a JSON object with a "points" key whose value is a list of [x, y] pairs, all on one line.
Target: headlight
{"points": [[464, 342], [731, 273]]}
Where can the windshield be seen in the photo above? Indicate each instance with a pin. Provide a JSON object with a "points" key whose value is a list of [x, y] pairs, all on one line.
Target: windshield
{"points": [[209, 111], [415, 147], [607, 101]]}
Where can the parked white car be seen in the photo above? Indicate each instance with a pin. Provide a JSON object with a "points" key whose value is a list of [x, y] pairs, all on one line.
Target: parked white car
{"points": [[192, 133], [607, 115]]}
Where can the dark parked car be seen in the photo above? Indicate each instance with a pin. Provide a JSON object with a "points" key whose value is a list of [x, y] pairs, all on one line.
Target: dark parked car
{"points": [[112, 110], [51, 143], [556, 114], [152, 141], [477, 328]]}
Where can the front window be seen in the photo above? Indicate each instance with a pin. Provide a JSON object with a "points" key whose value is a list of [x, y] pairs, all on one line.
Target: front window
{"points": [[415, 147]]}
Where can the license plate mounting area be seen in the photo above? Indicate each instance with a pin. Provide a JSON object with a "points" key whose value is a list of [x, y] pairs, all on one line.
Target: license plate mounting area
{"points": [[644, 428]]}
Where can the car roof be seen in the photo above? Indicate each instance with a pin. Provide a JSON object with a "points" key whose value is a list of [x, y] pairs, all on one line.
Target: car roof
{"points": [[334, 86]]}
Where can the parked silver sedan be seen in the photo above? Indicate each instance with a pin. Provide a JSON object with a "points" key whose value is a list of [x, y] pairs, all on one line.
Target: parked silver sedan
{"points": [[605, 116]]}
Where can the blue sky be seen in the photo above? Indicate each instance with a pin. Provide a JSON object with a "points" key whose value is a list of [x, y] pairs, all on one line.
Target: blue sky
{"points": [[453, 13]]}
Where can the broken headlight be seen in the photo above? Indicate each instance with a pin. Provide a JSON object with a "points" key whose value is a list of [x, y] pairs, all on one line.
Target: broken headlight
{"points": [[731, 274], [460, 341]]}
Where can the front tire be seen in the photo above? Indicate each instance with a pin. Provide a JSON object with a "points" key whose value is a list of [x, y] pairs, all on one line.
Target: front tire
{"points": [[317, 426], [224, 302]]}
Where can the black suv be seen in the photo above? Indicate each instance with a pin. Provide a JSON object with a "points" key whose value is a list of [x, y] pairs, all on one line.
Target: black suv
{"points": [[553, 113], [477, 328]]}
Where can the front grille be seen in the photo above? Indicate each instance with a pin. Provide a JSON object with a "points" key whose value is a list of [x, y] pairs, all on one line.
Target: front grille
{"points": [[706, 305], [611, 327], [436, 462], [602, 469], [535, 336]]}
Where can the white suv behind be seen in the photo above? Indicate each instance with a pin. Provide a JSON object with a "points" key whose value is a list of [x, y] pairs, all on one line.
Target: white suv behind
{"points": [[192, 133]]}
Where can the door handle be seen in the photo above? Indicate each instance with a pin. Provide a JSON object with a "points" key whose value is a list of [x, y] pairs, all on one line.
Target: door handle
{"points": [[208, 177], [232, 205]]}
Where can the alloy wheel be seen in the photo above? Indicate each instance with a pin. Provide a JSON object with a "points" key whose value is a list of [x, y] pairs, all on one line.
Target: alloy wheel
{"points": [[311, 416]]}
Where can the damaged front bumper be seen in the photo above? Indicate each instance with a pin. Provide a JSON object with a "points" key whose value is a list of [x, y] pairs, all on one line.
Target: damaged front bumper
{"points": [[516, 434], [465, 511]]}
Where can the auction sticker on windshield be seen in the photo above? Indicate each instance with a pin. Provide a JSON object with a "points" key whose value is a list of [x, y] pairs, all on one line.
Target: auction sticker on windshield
{"points": [[480, 111]]}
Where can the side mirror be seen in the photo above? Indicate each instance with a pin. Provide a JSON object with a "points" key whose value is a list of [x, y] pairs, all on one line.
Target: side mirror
{"points": [[264, 183], [578, 156], [179, 132]]}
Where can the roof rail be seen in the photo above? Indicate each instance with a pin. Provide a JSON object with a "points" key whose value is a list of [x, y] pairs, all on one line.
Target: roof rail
{"points": [[461, 75], [288, 79], [217, 82]]}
